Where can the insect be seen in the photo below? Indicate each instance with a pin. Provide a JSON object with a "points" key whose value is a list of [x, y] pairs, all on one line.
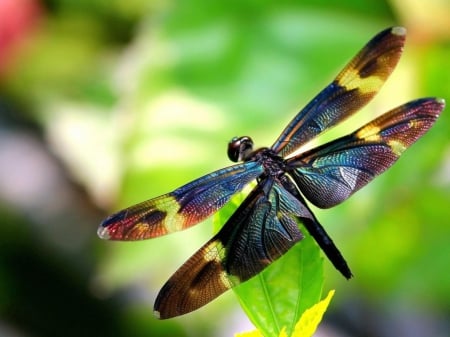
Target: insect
{"points": [[265, 225]]}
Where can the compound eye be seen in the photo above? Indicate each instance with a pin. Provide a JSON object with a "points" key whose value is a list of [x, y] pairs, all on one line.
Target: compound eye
{"points": [[239, 148], [233, 149]]}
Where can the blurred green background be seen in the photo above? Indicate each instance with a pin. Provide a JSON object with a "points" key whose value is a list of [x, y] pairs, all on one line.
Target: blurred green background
{"points": [[107, 103]]}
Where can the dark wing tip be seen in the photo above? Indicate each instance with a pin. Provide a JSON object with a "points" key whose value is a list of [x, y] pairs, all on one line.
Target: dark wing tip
{"points": [[103, 230], [398, 30], [431, 107], [103, 233], [157, 314], [441, 102]]}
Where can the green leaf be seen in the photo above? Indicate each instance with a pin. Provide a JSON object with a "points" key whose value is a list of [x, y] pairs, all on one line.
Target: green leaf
{"points": [[276, 298], [254, 333], [307, 324]]}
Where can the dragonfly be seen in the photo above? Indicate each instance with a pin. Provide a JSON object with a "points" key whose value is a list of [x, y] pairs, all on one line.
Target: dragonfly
{"points": [[267, 222]]}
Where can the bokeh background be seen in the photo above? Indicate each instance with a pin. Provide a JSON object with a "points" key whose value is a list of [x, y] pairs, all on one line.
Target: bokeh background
{"points": [[107, 103]]}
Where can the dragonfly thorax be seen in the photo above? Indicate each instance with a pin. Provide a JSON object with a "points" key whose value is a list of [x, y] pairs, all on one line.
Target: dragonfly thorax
{"points": [[241, 149], [274, 165]]}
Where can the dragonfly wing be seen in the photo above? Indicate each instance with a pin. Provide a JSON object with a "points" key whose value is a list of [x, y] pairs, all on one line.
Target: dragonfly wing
{"points": [[261, 230], [180, 209], [329, 174], [316, 230], [353, 88]]}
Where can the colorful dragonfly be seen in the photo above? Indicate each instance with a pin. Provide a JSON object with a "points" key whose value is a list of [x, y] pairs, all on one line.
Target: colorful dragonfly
{"points": [[265, 225]]}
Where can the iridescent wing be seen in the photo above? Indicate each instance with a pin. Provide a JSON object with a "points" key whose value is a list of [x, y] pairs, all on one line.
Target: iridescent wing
{"points": [[329, 174], [353, 88], [180, 209], [262, 229], [316, 230]]}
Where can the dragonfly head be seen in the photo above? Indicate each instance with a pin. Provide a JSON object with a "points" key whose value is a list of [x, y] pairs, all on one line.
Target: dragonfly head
{"points": [[240, 148]]}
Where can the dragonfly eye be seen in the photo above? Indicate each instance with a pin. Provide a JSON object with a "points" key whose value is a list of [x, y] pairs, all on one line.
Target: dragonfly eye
{"points": [[239, 148]]}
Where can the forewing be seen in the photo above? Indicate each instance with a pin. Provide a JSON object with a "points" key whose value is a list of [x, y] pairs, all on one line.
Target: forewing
{"points": [[353, 88], [329, 174], [180, 209], [261, 230]]}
